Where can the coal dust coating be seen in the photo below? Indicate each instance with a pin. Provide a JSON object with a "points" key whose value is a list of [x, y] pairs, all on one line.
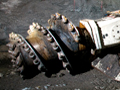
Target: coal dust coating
{"points": [[59, 45]]}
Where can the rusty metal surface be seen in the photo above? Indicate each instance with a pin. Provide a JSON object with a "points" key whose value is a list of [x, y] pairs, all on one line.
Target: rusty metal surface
{"points": [[62, 45], [40, 43], [44, 49], [66, 30], [23, 56]]}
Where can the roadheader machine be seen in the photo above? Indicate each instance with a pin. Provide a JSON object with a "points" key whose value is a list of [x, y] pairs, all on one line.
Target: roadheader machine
{"points": [[62, 45]]}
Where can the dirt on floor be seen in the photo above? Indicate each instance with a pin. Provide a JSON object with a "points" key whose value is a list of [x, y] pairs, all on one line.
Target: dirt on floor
{"points": [[17, 15]]}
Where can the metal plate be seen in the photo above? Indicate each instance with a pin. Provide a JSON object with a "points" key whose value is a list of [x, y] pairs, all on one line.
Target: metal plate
{"points": [[109, 65]]}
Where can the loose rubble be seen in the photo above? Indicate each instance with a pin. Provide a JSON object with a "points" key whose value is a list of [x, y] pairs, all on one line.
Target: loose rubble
{"points": [[46, 87]]}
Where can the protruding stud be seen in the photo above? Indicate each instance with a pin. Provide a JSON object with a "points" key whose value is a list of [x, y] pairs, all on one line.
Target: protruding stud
{"points": [[52, 16], [54, 45], [34, 24], [31, 55], [57, 15], [64, 64], [15, 52], [48, 35], [68, 68], [61, 55], [27, 49], [21, 69], [19, 40], [11, 45], [77, 38], [64, 19], [92, 52], [13, 57], [13, 61], [13, 36], [70, 27], [25, 45], [31, 28], [18, 61], [37, 26], [44, 31], [36, 62], [39, 67], [50, 39]]}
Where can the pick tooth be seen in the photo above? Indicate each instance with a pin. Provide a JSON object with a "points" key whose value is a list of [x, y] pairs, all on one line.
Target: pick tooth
{"points": [[65, 64], [61, 55], [42, 27], [37, 26], [57, 15], [70, 27], [11, 45], [52, 16], [68, 68], [48, 35], [39, 67], [14, 53], [44, 31], [54, 45], [31, 28], [9, 51], [13, 36], [21, 69], [64, 19], [76, 37], [34, 24], [13, 57], [18, 61], [50, 39]]}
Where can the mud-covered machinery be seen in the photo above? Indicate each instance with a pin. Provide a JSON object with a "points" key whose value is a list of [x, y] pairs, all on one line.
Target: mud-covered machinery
{"points": [[62, 45]]}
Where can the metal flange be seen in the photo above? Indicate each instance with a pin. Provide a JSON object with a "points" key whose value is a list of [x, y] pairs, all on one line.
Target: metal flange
{"points": [[20, 60], [70, 26], [68, 34], [55, 45]]}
